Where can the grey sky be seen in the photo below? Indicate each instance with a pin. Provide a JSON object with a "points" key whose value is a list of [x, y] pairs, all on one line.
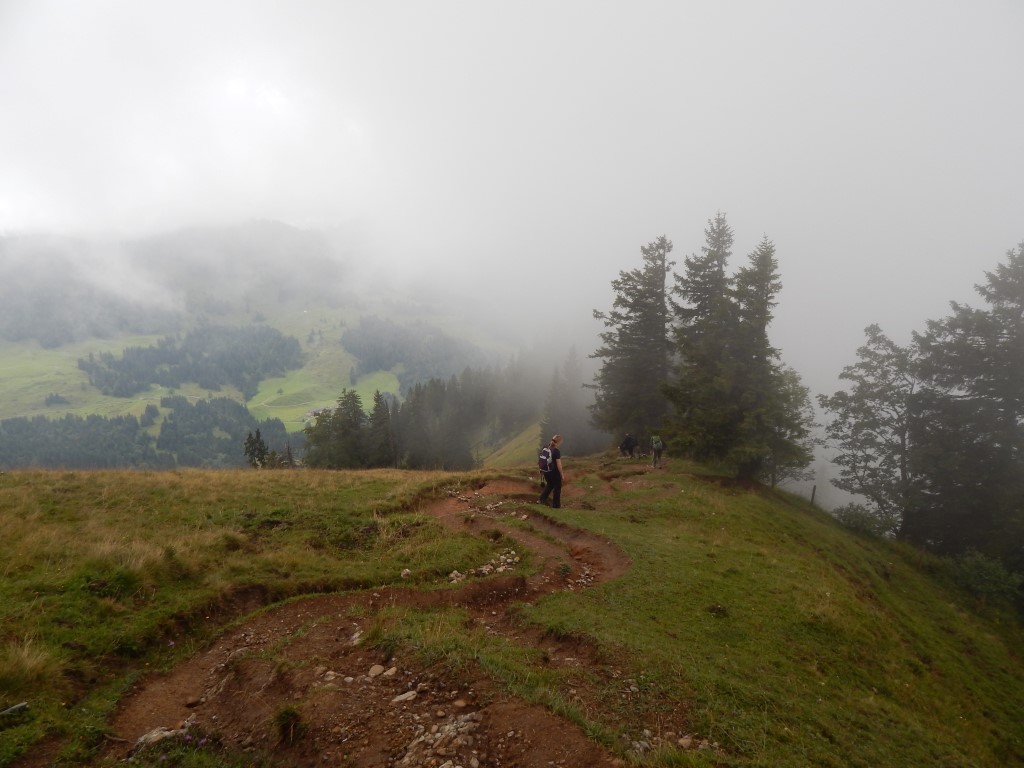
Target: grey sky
{"points": [[528, 149]]}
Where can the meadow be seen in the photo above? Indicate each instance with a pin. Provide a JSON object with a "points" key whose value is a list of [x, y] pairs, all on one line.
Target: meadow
{"points": [[775, 634]]}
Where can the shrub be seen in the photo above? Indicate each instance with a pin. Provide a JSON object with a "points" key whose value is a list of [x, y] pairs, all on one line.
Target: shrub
{"points": [[985, 577], [859, 518]]}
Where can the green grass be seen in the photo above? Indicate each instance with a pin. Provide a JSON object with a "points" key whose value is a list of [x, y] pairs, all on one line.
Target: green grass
{"points": [[520, 450], [99, 571], [747, 618], [793, 642], [29, 373]]}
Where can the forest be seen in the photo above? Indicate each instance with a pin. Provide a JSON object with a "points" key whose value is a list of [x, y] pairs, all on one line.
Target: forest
{"points": [[212, 356], [450, 423], [204, 433]]}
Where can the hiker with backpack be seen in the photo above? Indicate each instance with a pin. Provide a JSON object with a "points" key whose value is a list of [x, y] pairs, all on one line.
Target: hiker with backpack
{"points": [[550, 463], [656, 448]]}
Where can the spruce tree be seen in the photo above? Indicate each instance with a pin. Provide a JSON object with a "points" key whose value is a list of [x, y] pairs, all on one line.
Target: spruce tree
{"points": [[635, 348], [255, 450], [705, 412], [766, 398], [734, 403], [380, 438]]}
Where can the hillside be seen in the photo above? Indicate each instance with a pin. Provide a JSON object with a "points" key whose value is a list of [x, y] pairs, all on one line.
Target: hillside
{"points": [[263, 315], [660, 618]]}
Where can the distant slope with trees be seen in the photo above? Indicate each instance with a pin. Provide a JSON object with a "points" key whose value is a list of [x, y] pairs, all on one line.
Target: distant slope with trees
{"points": [[211, 356]]}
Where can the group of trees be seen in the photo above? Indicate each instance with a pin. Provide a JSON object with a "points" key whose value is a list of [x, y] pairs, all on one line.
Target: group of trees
{"points": [[204, 433], [211, 356], [689, 356], [931, 434], [450, 423]]}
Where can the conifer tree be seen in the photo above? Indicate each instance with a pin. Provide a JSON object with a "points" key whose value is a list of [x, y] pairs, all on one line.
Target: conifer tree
{"points": [[705, 415], [380, 438], [255, 450], [704, 288], [733, 402], [635, 348]]}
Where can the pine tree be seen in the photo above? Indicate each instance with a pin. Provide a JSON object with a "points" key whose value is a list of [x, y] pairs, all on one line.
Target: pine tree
{"points": [[767, 400], [704, 288], [705, 409], [635, 348], [380, 438], [255, 450]]}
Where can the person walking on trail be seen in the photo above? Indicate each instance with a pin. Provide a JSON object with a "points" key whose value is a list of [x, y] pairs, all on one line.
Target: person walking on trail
{"points": [[656, 448], [553, 474], [628, 446]]}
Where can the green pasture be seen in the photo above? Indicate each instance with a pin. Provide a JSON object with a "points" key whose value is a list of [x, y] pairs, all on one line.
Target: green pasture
{"points": [[29, 373]]}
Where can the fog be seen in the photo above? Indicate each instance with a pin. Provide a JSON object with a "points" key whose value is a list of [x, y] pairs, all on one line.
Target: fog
{"points": [[513, 157]]}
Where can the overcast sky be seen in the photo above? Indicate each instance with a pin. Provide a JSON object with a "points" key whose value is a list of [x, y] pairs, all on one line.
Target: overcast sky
{"points": [[528, 149]]}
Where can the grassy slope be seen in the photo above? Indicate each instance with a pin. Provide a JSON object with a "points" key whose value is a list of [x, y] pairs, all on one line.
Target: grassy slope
{"points": [[520, 450], [782, 637], [28, 373]]}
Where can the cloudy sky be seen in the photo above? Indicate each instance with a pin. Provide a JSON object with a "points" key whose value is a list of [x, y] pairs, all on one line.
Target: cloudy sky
{"points": [[526, 150]]}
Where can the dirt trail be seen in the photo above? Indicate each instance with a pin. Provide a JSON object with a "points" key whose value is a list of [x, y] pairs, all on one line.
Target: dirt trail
{"points": [[360, 707]]}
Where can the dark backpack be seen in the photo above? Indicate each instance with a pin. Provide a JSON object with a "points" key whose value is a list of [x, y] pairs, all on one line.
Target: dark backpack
{"points": [[544, 460]]}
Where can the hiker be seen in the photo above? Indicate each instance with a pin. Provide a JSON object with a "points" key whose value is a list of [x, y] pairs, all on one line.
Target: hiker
{"points": [[553, 475], [628, 446], [656, 448]]}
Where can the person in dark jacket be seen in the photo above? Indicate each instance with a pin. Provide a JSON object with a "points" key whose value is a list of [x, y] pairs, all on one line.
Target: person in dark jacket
{"points": [[628, 446], [553, 477]]}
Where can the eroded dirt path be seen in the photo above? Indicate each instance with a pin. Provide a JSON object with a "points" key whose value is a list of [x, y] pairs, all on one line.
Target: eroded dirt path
{"points": [[360, 706]]}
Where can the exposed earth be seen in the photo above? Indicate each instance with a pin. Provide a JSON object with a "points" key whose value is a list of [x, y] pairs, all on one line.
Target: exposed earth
{"points": [[357, 705]]}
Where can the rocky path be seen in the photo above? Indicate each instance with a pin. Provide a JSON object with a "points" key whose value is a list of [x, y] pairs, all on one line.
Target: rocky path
{"points": [[298, 679]]}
